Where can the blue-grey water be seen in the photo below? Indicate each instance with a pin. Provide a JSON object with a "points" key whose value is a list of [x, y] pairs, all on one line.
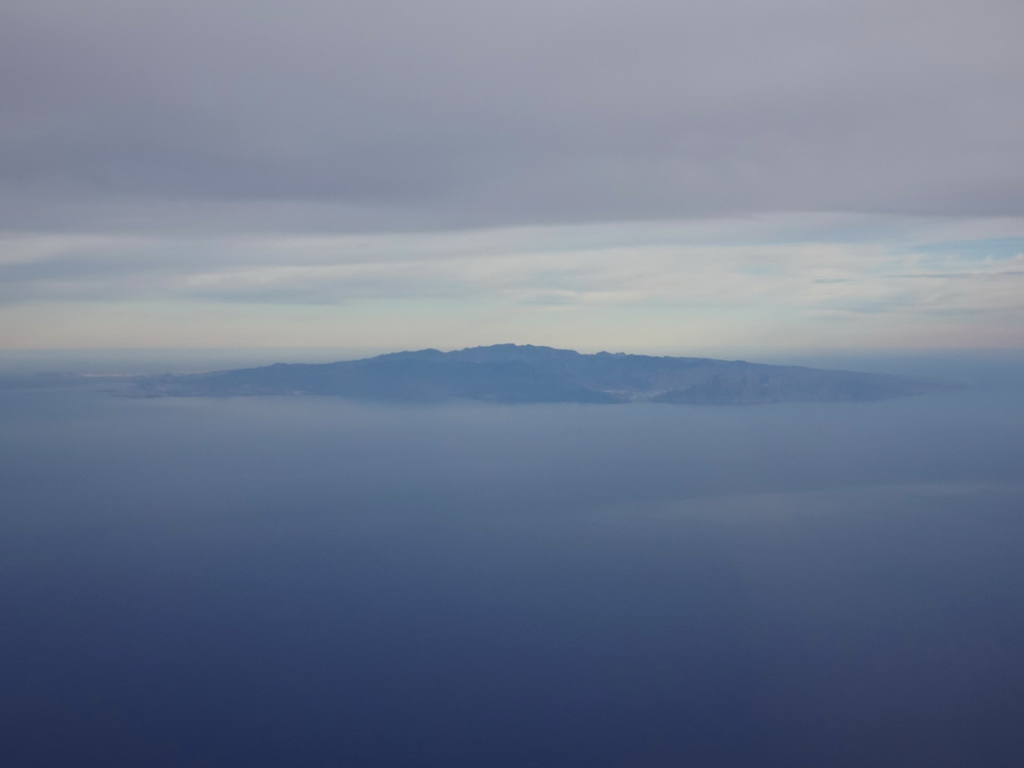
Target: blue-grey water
{"points": [[315, 582]]}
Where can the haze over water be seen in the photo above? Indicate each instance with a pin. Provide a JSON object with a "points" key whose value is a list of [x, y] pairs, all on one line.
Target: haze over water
{"points": [[306, 581]]}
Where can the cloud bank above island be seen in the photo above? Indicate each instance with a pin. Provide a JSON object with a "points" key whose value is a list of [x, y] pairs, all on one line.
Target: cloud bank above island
{"points": [[313, 173]]}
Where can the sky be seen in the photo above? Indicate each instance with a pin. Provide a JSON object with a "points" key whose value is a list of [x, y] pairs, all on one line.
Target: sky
{"points": [[600, 175]]}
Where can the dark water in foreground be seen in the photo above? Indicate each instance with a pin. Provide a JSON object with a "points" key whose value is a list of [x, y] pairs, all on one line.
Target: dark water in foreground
{"points": [[319, 583]]}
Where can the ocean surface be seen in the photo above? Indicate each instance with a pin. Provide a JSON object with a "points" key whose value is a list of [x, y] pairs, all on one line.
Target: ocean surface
{"points": [[317, 582]]}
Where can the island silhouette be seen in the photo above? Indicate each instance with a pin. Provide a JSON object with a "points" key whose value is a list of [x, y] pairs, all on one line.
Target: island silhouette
{"points": [[512, 373]]}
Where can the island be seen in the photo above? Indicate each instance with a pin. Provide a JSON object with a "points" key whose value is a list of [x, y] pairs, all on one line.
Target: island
{"points": [[511, 373]]}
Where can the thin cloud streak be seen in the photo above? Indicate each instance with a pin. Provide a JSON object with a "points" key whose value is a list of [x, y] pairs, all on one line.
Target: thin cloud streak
{"points": [[700, 277]]}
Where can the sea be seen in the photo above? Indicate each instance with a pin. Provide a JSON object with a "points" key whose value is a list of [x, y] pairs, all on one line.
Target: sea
{"points": [[316, 582]]}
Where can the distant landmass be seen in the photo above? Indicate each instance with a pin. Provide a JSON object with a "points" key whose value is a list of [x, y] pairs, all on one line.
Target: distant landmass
{"points": [[510, 373]]}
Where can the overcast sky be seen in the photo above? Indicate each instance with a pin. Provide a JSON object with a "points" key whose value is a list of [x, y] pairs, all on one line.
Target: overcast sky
{"points": [[596, 174]]}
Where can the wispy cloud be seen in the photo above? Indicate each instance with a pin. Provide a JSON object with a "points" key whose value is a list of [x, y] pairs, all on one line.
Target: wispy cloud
{"points": [[782, 279]]}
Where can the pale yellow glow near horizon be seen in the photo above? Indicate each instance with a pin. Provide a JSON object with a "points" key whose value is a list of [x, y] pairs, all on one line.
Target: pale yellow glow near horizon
{"points": [[414, 324]]}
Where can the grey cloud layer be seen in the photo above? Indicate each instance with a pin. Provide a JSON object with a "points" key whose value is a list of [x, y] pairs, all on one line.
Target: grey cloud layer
{"points": [[403, 115]]}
